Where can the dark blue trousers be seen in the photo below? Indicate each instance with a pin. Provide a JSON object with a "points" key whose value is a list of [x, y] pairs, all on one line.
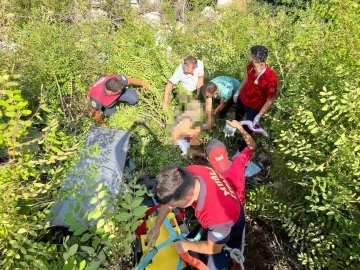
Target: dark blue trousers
{"points": [[128, 95], [221, 260]]}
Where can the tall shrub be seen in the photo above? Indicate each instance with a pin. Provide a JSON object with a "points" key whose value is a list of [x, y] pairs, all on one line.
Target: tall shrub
{"points": [[316, 124]]}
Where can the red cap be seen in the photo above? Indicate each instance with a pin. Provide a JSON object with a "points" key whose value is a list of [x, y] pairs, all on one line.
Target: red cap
{"points": [[218, 155]]}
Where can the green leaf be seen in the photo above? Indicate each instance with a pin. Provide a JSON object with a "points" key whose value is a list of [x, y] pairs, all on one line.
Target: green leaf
{"points": [[85, 237], [123, 216], [88, 249], [29, 257], [96, 215], [10, 114], [94, 265], [69, 266], [314, 130], [100, 231], [104, 203], [102, 256], [73, 249], [325, 108], [21, 231], [314, 240], [24, 264], [128, 198], [99, 187], [140, 192], [136, 202], [93, 200], [102, 194], [74, 227], [125, 205], [10, 84], [38, 185], [100, 223], [80, 230], [77, 207], [95, 242], [140, 211], [82, 265], [66, 256]]}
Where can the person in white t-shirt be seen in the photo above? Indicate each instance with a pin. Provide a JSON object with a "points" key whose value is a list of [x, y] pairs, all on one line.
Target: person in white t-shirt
{"points": [[191, 76]]}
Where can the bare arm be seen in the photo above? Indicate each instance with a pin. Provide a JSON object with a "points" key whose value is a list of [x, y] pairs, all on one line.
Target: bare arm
{"points": [[166, 95], [247, 138], [269, 102], [97, 116], [241, 86], [138, 82], [208, 111], [200, 83], [263, 110], [219, 108], [164, 210], [204, 247]]}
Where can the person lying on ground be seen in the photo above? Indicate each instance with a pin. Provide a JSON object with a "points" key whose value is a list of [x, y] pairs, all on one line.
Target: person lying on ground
{"points": [[223, 88], [233, 171], [187, 128], [191, 76], [257, 91], [110, 89], [216, 205]]}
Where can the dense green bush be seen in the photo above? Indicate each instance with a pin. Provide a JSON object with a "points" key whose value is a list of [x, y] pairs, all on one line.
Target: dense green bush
{"points": [[316, 194], [315, 52], [32, 165]]}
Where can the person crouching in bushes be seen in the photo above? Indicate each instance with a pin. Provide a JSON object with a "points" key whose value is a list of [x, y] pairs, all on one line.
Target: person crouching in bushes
{"points": [[223, 88], [109, 90]]}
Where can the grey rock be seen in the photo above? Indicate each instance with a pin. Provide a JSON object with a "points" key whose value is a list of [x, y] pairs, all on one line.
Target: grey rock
{"points": [[96, 13], [224, 3], [152, 18]]}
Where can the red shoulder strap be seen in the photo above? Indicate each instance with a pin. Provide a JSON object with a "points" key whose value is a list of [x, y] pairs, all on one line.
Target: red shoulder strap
{"points": [[141, 229]]}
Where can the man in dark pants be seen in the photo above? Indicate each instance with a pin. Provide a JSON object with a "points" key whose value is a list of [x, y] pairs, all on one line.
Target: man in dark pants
{"points": [[223, 88], [258, 89], [110, 89]]}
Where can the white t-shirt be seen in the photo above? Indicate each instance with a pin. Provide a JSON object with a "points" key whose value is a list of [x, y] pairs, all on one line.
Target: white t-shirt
{"points": [[187, 80]]}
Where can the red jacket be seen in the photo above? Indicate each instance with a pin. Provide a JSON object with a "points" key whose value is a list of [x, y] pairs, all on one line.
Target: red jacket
{"points": [[98, 91], [220, 203], [255, 93]]}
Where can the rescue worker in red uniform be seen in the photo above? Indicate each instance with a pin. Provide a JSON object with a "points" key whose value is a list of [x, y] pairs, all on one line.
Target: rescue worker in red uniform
{"points": [[232, 170], [110, 89], [217, 207]]}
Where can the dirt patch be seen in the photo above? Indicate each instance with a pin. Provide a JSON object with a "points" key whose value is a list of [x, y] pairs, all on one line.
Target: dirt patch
{"points": [[268, 247]]}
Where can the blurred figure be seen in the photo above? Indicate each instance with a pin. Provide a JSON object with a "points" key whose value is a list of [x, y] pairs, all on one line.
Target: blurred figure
{"points": [[187, 128]]}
